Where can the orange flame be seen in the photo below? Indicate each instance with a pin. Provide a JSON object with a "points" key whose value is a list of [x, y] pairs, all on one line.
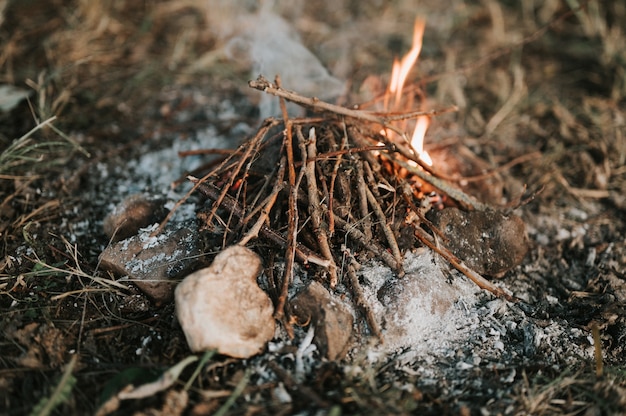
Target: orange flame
{"points": [[400, 70], [399, 73]]}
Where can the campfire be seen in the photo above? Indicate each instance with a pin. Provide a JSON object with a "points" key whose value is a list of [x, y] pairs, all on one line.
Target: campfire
{"points": [[338, 188]]}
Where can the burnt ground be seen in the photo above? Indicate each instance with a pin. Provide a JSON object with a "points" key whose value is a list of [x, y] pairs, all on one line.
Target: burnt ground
{"points": [[131, 83]]}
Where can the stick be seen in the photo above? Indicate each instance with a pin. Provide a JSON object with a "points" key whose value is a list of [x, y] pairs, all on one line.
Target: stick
{"points": [[365, 214], [480, 281], [267, 206], [391, 239], [264, 85], [252, 144], [292, 227], [359, 298], [369, 245], [315, 210], [443, 186], [212, 192]]}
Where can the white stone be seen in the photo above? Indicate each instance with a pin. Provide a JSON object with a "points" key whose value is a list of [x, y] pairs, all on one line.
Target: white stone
{"points": [[222, 307]]}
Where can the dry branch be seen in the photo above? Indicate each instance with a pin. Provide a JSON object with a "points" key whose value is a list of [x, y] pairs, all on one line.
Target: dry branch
{"points": [[264, 85], [309, 150]]}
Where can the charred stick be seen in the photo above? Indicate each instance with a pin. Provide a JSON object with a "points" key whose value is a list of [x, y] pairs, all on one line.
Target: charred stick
{"points": [[309, 151], [359, 298], [304, 254]]}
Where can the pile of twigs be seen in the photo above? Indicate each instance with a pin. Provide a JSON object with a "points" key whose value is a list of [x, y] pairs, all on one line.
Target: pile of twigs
{"points": [[329, 191]]}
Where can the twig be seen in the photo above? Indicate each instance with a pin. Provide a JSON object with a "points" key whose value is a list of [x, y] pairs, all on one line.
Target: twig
{"points": [[292, 227], [359, 298], [328, 155], [267, 206], [369, 245], [264, 85], [195, 152], [382, 218], [304, 254], [309, 150], [251, 145], [365, 215], [440, 184], [480, 281], [269, 122]]}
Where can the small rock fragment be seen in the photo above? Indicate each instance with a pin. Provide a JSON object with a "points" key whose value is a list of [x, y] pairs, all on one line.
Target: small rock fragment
{"points": [[133, 213], [489, 242], [152, 263], [222, 307], [330, 317]]}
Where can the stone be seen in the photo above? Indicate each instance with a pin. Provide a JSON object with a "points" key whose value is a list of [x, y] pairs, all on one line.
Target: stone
{"points": [[421, 308], [133, 213], [330, 316], [222, 307], [489, 242], [153, 263]]}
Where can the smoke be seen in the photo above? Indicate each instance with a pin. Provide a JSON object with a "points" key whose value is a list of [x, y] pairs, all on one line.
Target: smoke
{"points": [[272, 47]]}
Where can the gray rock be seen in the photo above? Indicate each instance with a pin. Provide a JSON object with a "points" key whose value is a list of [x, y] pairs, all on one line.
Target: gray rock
{"points": [[153, 263], [489, 242], [330, 316], [133, 213]]}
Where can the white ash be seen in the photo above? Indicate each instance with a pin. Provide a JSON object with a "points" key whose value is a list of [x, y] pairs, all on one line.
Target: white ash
{"points": [[433, 312], [160, 168]]}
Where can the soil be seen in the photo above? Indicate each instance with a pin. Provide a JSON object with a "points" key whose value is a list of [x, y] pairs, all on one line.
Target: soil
{"points": [[132, 85]]}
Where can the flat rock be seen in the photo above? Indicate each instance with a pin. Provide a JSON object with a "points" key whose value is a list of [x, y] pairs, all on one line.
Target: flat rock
{"points": [[222, 307], [330, 316], [133, 213], [153, 263], [489, 242]]}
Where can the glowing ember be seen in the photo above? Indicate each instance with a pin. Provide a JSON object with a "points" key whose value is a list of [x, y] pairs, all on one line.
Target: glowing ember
{"points": [[399, 74]]}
